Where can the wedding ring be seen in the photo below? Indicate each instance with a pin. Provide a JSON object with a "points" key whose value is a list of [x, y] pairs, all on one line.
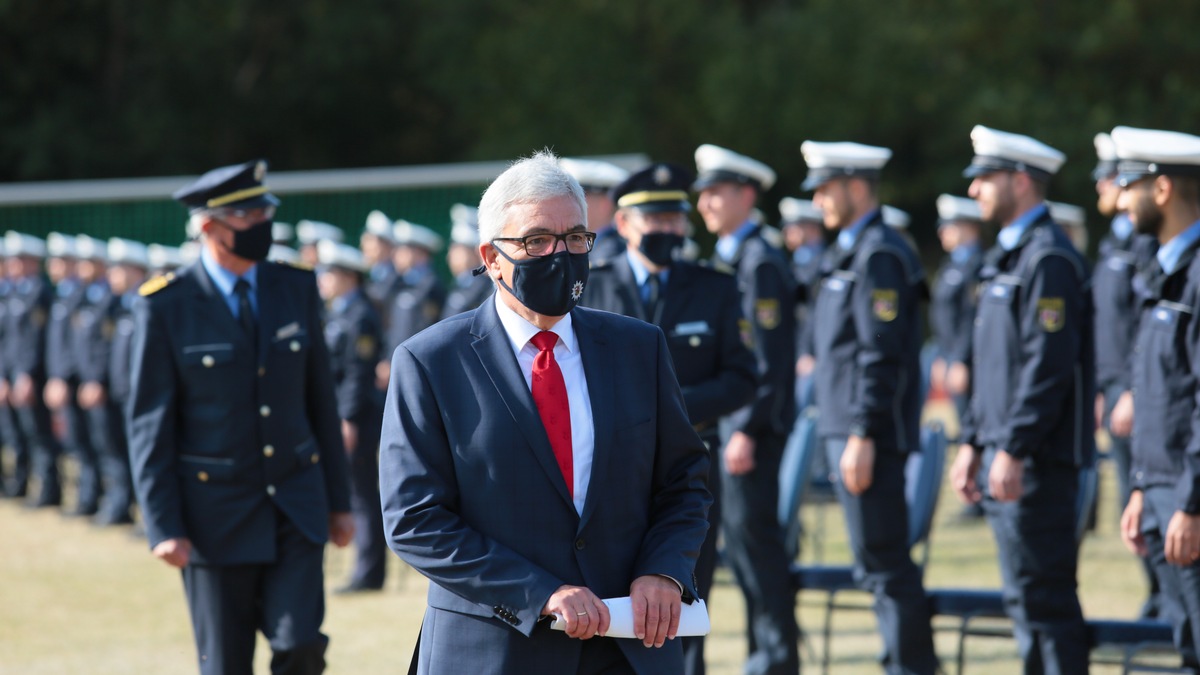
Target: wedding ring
{"points": [[580, 613]]}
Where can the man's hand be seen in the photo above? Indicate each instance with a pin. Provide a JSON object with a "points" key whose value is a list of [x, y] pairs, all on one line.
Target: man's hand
{"points": [[1131, 524], [22, 392], [958, 378], [963, 473], [656, 600], [383, 373], [739, 454], [55, 393], [937, 373], [1120, 422], [1182, 542], [175, 552], [341, 529], [91, 395], [1006, 477], [582, 612], [805, 365], [349, 436], [858, 464]]}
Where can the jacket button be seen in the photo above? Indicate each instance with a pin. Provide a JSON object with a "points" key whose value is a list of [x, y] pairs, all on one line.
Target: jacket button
{"points": [[271, 490], [261, 371], [203, 476], [208, 361], [294, 346], [694, 341], [579, 544], [268, 450], [316, 457], [265, 411]]}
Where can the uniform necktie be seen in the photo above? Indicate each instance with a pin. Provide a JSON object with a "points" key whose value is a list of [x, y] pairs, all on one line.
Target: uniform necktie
{"points": [[246, 312], [550, 397], [652, 294]]}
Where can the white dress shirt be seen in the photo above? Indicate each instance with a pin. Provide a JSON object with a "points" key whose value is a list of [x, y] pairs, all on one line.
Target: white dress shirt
{"points": [[566, 352]]}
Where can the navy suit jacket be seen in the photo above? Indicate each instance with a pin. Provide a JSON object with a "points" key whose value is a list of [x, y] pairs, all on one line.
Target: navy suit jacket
{"points": [[220, 440], [473, 498]]}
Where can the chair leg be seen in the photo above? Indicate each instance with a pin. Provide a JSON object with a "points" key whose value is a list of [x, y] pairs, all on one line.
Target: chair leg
{"points": [[962, 645], [828, 633]]}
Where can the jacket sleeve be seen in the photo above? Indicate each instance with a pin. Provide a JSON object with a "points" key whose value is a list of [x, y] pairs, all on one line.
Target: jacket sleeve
{"points": [[151, 414], [322, 409], [356, 390], [1188, 488], [735, 383], [967, 304], [1052, 312], [882, 303], [769, 313]]}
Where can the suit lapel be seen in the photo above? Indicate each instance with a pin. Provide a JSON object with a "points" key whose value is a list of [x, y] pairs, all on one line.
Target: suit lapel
{"points": [[268, 306], [628, 291], [599, 364], [495, 353]]}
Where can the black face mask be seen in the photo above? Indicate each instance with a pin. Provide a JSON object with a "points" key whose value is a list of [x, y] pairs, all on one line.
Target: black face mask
{"points": [[549, 285], [252, 243], [659, 247]]}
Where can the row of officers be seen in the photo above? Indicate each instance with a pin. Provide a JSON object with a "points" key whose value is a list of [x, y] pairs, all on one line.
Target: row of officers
{"points": [[1034, 341]]}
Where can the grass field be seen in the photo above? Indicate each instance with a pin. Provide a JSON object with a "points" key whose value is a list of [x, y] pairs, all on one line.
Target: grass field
{"points": [[75, 599]]}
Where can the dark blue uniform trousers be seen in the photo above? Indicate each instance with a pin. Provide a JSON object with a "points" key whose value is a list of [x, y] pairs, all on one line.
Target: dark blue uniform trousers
{"points": [[754, 546], [284, 599], [1179, 586], [371, 552], [108, 438], [44, 448], [12, 437], [1035, 540], [78, 443], [877, 527]]}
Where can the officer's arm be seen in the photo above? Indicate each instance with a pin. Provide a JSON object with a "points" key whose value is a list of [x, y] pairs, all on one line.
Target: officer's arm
{"points": [[151, 414], [1052, 326], [1188, 488], [773, 331], [966, 319], [736, 377], [322, 407], [883, 304], [357, 389]]}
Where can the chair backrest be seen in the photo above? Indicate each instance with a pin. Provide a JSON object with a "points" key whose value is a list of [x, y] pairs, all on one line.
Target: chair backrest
{"points": [[795, 474], [923, 482], [1085, 501]]}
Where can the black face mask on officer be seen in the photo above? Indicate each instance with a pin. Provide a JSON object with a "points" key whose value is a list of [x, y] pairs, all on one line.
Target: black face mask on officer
{"points": [[659, 247], [252, 243], [550, 285]]}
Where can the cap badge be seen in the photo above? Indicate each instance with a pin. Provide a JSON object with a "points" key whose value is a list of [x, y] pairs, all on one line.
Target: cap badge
{"points": [[260, 171], [662, 175]]}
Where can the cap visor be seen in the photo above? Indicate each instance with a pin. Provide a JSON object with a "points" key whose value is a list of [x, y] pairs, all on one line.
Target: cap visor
{"points": [[663, 207], [975, 171], [813, 182]]}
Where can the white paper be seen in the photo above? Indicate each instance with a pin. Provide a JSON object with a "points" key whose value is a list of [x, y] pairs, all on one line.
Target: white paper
{"points": [[693, 619]]}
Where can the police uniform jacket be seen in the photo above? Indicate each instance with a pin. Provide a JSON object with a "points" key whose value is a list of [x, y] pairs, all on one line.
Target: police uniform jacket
{"points": [[120, 367], [698, 313], [1033, 365], [91, 334], [866, 335], [1166, 431], [223, 441], [769, 328], [352, 332], [381, 285], [468, 294], [6, 290], [28, 313], [68, 296], [807, 275], [609, 245], [416, 306], [1117, 306], [952, 307]]}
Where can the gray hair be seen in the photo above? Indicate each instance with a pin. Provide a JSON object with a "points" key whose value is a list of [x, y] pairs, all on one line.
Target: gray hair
{"points": [[530, 180]]}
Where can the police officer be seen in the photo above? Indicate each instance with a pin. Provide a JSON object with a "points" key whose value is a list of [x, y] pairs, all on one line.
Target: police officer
{"points": [[1122, 253], [866, 336], [352, 332], [597, 179], [128, 262], [420, 294], [28, 314], [88, 341], [802, 224], [953, 297], [235, 442], [309, 233], [376, 243], [10, 432], [1160, 172], [470, 289], [1029, 425], [729, 184], [696, 307]]}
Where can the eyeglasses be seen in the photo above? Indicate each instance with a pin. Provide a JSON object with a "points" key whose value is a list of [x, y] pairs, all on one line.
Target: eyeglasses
{"points": [[538, 245], [263, 212]]}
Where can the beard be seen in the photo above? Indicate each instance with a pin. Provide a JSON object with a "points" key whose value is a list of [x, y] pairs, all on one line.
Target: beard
{"points": [[1146, 217]]}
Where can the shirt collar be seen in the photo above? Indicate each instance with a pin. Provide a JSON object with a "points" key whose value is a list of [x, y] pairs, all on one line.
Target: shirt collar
{"points": [[963, 253], [1170, 253], [640, 273], [806, 254], [1122, 226], [338, 304], [727, 245], [416, 275], [520, 331], [1010, 235], [848, 236], [223, 278]]}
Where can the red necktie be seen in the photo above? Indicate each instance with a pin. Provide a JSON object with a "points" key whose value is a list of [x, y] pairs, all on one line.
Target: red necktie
{"points": [[550, 397]]}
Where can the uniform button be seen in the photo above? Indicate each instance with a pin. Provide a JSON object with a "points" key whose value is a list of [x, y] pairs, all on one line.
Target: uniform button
{"points": [[268, 450], [316, 457], [694, 341], [203, 476], [294, 346], [265, 411], [208, 361], [262, 371], [579, 544], [1139, 475], [271, 490]]}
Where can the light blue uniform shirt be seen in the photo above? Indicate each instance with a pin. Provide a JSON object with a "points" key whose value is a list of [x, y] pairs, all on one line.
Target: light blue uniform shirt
{"points": [[225, 280], [1010, 235], [1169, 253]]}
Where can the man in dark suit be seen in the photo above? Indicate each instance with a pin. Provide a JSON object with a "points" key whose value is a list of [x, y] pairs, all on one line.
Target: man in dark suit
{"points": [[234, 441], [537, 457], [698, 310]]}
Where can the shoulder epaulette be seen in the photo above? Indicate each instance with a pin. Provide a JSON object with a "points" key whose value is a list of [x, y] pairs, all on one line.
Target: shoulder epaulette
{"points": [[294, 265], [156, 284]]}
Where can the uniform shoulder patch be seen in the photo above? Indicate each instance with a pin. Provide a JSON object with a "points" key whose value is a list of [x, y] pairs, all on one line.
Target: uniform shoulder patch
{"points": [[294, 264], [766, 313], [885, 304], [1051, 314], [156, 284]]}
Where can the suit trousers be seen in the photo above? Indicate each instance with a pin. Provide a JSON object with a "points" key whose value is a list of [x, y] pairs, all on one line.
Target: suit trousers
{"points": [[706, 562], [877, 527], [284, 599], [754, 546], [370, 549], [1180, 585], [1035, 537]]}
